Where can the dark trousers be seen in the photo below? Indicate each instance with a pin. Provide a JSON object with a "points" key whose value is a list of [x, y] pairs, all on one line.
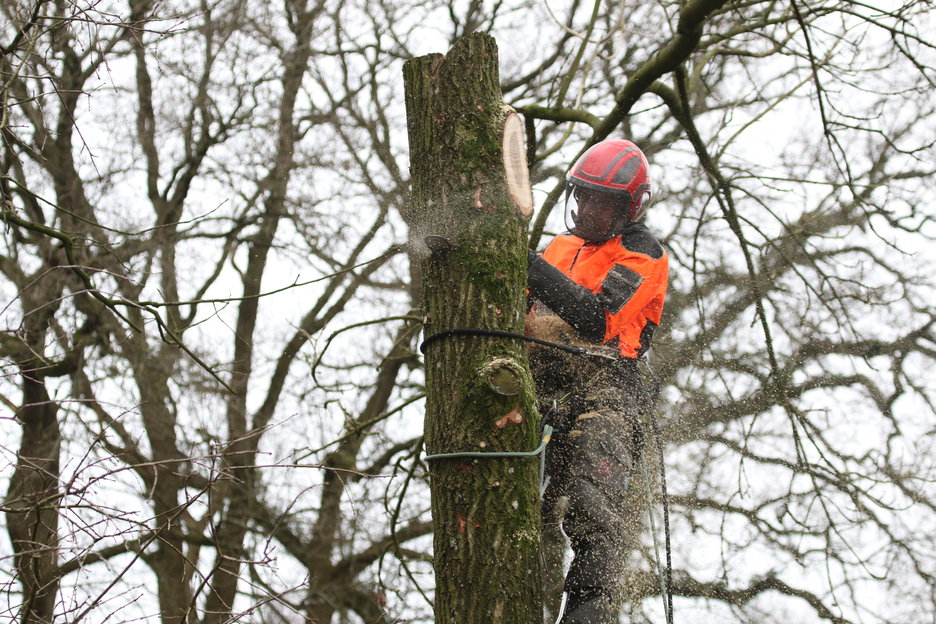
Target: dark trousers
{"points": [[590, 465]]}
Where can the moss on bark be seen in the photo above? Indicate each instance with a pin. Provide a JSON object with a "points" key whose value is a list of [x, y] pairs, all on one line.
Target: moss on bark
{"points": [[485, 511]]}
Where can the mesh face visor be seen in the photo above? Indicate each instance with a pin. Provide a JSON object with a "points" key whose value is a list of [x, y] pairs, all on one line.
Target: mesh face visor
{"points": [[613, 166], [595, 215]]}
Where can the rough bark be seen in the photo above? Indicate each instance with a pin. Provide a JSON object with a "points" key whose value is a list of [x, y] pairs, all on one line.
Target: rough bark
{"points": [[480, 395], [32, 503]]}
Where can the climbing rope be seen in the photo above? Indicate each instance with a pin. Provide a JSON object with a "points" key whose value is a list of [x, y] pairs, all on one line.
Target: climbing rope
{"points": [[666, 529], [547, 436], [666, 584], [666, 580]]}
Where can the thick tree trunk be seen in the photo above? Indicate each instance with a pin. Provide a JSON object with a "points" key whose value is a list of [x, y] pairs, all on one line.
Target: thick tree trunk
{"points": [[32, 503], [472, 201]]}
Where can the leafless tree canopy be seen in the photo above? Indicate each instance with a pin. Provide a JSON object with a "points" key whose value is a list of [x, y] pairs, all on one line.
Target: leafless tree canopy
{"points": [[210, 387]]}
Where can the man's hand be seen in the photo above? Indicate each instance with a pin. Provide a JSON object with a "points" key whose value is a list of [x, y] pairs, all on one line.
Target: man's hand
{"points": [[553, 329], [577, 305]]}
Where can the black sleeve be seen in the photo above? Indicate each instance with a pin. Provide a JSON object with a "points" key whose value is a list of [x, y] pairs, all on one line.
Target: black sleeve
{"points": [[575, 304], [619, 287]]}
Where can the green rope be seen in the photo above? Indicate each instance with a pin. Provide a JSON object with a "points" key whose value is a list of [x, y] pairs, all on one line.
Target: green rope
{"points": [[547, 436]]}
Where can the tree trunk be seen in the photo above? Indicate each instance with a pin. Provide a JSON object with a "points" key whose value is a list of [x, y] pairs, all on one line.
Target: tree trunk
{"points": [[32, 503], [471, 194]]}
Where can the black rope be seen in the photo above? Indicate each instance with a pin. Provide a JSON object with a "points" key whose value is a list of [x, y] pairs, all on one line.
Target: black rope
{"points": [[666, 525], [506, 334], [658, 439]]}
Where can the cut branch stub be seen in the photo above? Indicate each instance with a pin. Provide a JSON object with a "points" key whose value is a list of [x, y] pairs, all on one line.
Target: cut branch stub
{"points": [[514, 416], [515, 165], [504, 376]]}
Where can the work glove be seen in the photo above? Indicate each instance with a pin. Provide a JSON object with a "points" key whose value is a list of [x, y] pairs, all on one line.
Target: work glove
{"points": [[575, 304]]}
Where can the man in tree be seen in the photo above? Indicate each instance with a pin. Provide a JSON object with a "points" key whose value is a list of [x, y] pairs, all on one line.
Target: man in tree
{"points": [[602, 285]]}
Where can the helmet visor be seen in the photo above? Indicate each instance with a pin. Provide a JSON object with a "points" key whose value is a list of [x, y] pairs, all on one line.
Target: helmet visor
{"points": [[595, 215]]}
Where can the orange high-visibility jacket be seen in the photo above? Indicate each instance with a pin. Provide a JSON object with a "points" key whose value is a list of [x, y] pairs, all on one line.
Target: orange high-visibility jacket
{"points": [[628, 273]]}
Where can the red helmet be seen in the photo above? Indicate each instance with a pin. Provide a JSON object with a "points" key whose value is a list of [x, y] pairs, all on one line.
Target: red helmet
{"points": [[616, 168]]}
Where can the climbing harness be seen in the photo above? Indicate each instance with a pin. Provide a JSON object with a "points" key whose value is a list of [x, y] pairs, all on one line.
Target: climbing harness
{"points": [[666, 578]]}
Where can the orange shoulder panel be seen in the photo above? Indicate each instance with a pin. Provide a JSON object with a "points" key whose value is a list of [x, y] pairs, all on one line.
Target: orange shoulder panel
{"points": [[589, 266]]}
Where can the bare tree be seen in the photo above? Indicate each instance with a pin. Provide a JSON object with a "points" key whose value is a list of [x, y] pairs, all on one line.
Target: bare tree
{"points": [[764, 340], [129, 279], [211, 394]]}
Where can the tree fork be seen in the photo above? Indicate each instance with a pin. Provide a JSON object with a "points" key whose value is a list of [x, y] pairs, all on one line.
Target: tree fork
{"points": [[470, 210]]}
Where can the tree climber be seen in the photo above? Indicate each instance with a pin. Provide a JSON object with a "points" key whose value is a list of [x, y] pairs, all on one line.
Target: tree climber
{"points": [[601, 285]]}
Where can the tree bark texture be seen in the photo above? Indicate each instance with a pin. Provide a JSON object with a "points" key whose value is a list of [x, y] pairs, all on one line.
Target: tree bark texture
{"points": [[32, 503], [480, 396], [32, 500]]}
